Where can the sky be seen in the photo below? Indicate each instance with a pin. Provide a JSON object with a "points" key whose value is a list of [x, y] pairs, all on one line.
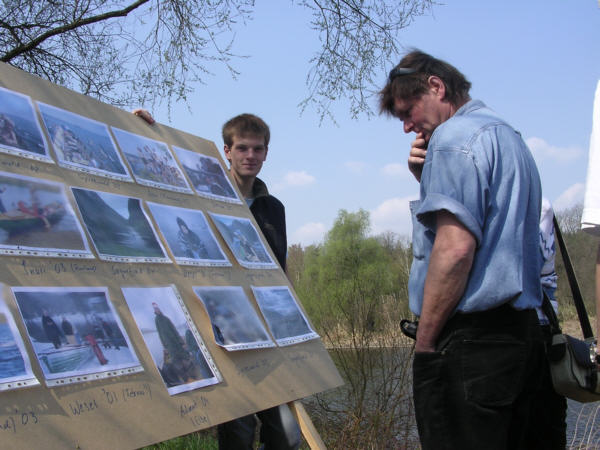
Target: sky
{"points": [[534, 62]]}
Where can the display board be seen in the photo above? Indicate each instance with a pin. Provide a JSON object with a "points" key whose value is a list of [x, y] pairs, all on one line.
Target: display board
{"points": [[139, 300]]}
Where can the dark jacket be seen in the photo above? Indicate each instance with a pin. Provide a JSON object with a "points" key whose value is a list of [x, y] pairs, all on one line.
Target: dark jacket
{"points": [[269, 214]]}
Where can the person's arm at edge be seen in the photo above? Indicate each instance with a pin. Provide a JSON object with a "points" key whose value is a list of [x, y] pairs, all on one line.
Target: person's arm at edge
{"points": [[449, 266], [598, 300], [144, 114]]}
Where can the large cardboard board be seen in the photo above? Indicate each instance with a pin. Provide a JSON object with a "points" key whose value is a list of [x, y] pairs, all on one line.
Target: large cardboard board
{"points": [[132, 410]]}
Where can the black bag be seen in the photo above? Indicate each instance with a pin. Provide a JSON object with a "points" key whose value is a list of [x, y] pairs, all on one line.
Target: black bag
{"points": [[572, 361]]}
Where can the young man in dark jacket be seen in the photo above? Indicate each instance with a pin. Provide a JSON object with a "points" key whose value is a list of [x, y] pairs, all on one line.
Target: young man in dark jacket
{"points": [[246, 138]]}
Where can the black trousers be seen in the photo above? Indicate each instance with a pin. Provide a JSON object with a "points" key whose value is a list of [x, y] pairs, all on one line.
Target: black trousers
{"points": [[279, 431], [476, 391]]}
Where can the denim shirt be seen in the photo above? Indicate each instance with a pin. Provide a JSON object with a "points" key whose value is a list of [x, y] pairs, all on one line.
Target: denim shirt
{"points": [[479, 169]]}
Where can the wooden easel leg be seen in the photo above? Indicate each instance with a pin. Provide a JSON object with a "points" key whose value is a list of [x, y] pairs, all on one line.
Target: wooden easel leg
{"points": [[306, 426]]}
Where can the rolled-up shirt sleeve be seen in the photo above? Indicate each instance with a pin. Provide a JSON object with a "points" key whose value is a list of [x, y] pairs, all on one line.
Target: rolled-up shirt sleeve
{"points": [[452, 182]]}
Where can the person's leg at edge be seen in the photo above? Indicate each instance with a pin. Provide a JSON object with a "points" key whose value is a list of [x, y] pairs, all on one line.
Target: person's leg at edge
{"points": [[279, 429]]}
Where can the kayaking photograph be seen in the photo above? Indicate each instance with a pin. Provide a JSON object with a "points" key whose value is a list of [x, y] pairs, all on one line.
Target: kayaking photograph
{"points": [[235, 323], [15, 367], [36, 219], [75, 332], [119, 227], [20, 132], [207, 175], [151, 162], [177, 348], [188, 236], [243, 241], [286, 321], [83, 144]]}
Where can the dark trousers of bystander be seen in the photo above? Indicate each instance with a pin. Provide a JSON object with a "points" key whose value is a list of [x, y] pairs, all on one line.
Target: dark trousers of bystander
{"points": [[279, 431], [550, 412], [477, 389]]}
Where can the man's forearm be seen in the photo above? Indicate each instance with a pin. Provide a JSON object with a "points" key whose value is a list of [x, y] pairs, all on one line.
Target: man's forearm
{"points": [[449, 266]]}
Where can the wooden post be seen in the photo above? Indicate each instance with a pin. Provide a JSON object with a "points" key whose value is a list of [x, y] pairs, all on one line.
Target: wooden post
{"points": [[306, 426]]}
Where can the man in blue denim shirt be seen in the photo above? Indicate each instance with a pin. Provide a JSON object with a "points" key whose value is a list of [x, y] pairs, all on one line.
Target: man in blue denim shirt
{"points": [[475, 276]]}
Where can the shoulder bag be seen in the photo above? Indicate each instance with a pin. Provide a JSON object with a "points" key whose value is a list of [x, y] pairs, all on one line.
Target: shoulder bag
{"points": [[572, 361]]}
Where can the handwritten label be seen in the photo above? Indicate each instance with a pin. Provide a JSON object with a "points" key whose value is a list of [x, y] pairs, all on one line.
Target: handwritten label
{"points": [[33, 269], [11, 163], [131, 271], [81, 407], [191, 411], [253, 277], [75, 267], [260, 364], [213, 274], [86, 178], [299, 359], [129, 393], [18, 420], [222, 206]]}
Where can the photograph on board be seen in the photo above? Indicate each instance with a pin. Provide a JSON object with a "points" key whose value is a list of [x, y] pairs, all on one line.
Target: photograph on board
{"points": [[235, 323], [285, 319], [75, 333], [244, 242], [20, 132], [119, 227], [207, 175], [83, 144], [188, 236], [177, 348], [151, 162], [15, 367], [36, 219]]}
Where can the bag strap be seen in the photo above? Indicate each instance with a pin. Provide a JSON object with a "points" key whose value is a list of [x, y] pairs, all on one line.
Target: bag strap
{"points": [[577, 297], [550, 314]]}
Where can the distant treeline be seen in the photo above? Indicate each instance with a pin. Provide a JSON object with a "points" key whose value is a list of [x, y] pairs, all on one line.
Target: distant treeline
{"points": [[351, 275]]}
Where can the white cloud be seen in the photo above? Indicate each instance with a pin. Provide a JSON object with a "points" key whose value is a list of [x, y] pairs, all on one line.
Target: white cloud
{"points": [[355, 166], [393, 215], [395, 170], [294, 179], [307, 234], [570, 197], [542, 150]]}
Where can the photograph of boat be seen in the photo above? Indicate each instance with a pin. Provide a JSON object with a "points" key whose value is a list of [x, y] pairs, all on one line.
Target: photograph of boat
{"points": [[20, 131], [119, 227], [83, 144], [207, 175], [36, 218], [151, 162], [15, 367], [74, 332]]}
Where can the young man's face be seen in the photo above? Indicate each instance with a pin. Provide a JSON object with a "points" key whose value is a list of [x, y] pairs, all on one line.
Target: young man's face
{"points": [[246, 155]]}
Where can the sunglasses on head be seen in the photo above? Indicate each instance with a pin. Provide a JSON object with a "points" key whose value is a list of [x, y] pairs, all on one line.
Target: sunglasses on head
{"points": [[400, 71]]}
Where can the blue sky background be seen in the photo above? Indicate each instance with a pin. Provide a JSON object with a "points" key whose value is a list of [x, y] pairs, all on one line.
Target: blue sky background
{"points": [[535, 62]]}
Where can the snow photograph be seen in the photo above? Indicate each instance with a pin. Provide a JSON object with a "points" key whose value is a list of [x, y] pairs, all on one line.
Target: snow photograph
{"points": [[75, 333], [235, 323]]}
